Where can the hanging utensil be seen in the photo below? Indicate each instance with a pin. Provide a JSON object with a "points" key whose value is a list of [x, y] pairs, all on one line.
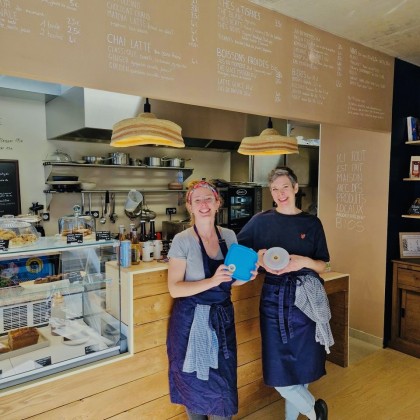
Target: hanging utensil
{"points": [[83, 203], [102, 220], [106, 201], [146, 213], [90, 204], [113, 216]]}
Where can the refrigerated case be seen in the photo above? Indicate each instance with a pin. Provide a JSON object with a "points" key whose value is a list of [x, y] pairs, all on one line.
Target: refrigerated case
{"points": [[65, 306], [240, 203]]}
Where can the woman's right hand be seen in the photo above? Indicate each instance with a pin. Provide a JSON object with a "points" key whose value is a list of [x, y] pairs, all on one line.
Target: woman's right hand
{"points": [[222, 274]]}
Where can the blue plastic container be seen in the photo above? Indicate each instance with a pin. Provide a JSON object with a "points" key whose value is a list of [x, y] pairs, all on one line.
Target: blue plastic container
{"points": [[241, 261]]}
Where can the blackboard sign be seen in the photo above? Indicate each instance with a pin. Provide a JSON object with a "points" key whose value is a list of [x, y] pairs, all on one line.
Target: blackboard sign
{"points": [[9, 187]]}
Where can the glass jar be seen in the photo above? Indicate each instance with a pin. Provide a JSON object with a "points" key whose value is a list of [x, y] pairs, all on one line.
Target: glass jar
{"points": [[77, 223]]}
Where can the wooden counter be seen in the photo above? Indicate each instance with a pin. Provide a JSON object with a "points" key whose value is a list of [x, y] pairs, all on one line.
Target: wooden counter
{"points": [[337, 288], [136, 387]]}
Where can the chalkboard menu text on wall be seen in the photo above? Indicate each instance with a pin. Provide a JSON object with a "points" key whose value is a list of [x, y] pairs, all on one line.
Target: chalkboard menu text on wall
{"points": [[9, 187], [227, 54]]}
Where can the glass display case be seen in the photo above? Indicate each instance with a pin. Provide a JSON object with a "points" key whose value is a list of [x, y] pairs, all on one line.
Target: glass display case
{"points": [[53, 309]]}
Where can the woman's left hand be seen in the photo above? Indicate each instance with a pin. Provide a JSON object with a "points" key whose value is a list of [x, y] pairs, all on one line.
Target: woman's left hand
{"points": [[254, 272], [296, 263]]}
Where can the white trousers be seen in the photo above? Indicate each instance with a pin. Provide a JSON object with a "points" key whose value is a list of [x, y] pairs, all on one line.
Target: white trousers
{"points": [[298, 399]]}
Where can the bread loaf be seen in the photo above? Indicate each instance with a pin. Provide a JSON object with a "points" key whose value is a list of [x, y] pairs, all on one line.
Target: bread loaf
{"points": [[22, 337], [4, 348]]}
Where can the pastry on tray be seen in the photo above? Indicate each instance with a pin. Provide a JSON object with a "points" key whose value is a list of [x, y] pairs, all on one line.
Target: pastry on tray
{"points": [[22, 337], [50, 279]]}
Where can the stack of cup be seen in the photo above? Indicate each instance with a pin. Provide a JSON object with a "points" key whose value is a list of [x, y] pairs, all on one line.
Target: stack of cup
{"points": [[157, 249]]}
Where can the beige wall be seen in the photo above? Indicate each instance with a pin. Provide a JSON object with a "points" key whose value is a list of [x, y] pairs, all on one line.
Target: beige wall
{"points": [[357, 161]]}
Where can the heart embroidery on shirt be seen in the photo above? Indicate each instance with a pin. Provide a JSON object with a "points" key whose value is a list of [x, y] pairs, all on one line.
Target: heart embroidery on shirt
{"points": [[302, 236]]}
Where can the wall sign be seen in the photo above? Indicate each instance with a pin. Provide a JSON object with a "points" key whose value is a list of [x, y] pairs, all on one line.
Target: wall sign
{"points": [[244, 58], [9, 187]]}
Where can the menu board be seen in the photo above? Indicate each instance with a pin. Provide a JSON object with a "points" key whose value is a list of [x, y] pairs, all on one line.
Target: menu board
{"points": [[226, 54], [9, 187]]}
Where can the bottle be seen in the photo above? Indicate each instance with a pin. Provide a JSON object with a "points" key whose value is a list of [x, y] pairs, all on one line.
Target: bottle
{"points": [[147, 251], [180, 177], [132, 226], [122, 236], [123, 250], [152, 232], [58, 312], [143, 234], [135, 248]]}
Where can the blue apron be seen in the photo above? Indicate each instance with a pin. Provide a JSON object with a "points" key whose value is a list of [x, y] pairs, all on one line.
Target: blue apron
{"points": [[218, 395], [290, 354]]}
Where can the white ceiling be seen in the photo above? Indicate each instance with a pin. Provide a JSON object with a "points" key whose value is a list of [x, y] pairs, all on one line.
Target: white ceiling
{"points": [[388, 26]]}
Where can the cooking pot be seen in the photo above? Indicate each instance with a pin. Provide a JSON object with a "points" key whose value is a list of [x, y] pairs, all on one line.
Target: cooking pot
{"points": [[97, 160], [174, 162], [135, 162], [119, 158], [152, 161]]}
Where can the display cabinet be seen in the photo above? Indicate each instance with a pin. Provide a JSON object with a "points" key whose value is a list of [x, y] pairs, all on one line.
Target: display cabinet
{"points": [[405, 326], [53, 311]]}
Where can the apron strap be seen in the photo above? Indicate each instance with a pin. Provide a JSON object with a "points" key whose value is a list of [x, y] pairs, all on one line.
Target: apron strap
{"points": [[222, 245]]}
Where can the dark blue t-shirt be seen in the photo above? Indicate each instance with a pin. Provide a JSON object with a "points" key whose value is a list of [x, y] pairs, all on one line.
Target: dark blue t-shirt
{"points": [[300, 234]]}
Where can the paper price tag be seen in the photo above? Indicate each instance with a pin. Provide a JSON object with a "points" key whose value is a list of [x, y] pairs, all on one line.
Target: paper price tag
{"points": [[103, 235], [4, 244], [75, 238], [45, 361]]}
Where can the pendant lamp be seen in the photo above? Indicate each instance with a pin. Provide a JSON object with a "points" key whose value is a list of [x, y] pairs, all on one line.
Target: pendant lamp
{"points": [[146, 129], [269, 142]]}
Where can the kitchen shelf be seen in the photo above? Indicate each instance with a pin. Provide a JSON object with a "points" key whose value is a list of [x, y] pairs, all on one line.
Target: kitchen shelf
{"points": [[112, 191], [412, 216], [48, 166], [94, 165]]}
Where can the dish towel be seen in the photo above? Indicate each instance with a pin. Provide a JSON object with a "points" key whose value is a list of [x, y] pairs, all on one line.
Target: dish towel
{"points": [[312, 300], [203, 345]]}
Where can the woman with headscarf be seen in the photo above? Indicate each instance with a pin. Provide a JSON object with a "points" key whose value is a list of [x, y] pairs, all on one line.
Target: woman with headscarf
{"points": [[201, 339]]}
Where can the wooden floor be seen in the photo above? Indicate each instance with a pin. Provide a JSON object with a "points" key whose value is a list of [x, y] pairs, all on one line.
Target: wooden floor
{"points": [[383, 385]]}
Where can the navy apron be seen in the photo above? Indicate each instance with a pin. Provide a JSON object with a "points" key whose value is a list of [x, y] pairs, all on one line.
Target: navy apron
{"points": [[290, 354], [218, 395]]}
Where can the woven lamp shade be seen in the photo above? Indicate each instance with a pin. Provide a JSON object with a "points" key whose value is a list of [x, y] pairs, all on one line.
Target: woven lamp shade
{"points": [[146, 129], [269, 142]]}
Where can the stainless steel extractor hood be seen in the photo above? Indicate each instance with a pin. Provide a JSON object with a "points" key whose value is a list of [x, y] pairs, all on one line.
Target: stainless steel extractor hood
{"points": [[88, 115]]}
